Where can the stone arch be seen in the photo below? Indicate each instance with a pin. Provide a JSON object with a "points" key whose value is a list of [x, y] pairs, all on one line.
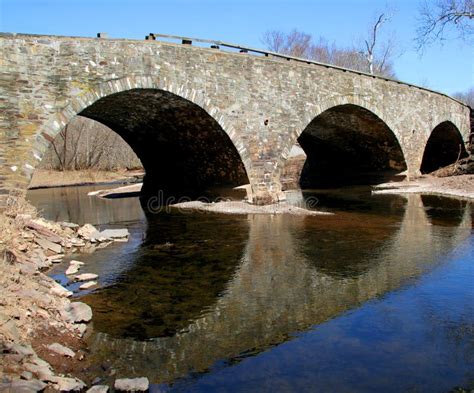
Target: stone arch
{"points": [[80, 103], [443, 147], [353, 106]]}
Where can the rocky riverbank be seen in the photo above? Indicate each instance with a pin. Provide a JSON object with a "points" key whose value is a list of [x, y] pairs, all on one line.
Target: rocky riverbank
{"points": [[41, 328]]}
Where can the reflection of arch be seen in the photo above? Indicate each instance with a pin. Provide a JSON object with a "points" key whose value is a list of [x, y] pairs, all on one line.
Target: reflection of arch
{"points": [[444, 146], [349, 144], [278, 289], [85, 99]]}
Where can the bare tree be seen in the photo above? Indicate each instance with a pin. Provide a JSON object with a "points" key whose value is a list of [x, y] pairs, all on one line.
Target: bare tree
{"points": [[303, 45], [295, 43], [87, 144], [443, 20], [467, 97], [379, 52]]}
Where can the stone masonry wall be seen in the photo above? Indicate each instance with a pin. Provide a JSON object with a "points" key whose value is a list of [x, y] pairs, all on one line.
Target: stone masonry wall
{"points": [[262, 104]]}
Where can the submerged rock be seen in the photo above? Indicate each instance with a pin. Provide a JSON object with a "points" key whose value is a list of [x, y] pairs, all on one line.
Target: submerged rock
{"points": [[132, 384], [86, 277], [88, 285]]}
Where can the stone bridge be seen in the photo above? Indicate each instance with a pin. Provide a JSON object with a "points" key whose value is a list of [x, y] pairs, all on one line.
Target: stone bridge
{"points": [[201, 117]]}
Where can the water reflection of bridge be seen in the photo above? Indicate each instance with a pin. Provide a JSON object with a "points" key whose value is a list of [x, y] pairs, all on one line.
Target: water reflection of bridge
{"points": [[278, 289]]}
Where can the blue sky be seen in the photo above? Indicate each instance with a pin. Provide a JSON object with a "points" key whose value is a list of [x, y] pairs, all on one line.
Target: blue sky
{"points": [[447, 68]]}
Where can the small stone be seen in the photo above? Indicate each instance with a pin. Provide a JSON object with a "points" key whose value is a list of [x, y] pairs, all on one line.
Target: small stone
{"points": [[78, 263], [26, 375], [72, 269], [81, 327], [61, 350], [86, 277], [77, 312], [69, 384], [132, 384], [98, 389], [88, 285]]}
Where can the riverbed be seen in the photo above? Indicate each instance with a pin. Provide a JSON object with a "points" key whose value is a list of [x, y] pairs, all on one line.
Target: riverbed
{"points": [[378, 296]]}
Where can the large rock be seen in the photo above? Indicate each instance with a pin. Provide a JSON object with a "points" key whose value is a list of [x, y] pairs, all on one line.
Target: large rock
{"points": [[88, 231], [24, 350], [132, 384], [77, 312], [61, 350], [69, 384], [20, 386]]}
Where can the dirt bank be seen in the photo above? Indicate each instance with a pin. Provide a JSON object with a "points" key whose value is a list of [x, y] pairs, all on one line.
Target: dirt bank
{"points": [[43, 178], [453, 186]]}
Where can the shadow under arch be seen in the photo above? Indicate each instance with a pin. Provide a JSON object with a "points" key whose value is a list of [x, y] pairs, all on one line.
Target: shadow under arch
{"points": [[348, 144], [180, 138], [444, 146]]}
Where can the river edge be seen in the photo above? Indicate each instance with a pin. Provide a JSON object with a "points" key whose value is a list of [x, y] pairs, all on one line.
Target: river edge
{"points": [[25, 358], [42, 330], [459, 187]]}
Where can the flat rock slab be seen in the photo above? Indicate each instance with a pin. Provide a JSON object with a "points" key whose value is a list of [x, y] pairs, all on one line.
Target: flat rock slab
{"points": [[86, 277], [72, 269], [98, 389], [61, 350], [114, 233], [88, 285], [48, 245], [132, 384], [78, 312]]}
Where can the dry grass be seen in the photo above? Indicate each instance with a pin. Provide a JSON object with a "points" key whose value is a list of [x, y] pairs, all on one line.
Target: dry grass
{"points": [[10, 224]]}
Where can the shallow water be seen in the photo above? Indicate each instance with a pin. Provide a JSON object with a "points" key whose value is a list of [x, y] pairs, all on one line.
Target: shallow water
{"points": [[377, 297]]}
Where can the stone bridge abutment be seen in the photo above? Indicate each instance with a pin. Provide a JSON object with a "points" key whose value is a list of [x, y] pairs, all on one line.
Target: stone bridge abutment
{"points": [[198, 117]]}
